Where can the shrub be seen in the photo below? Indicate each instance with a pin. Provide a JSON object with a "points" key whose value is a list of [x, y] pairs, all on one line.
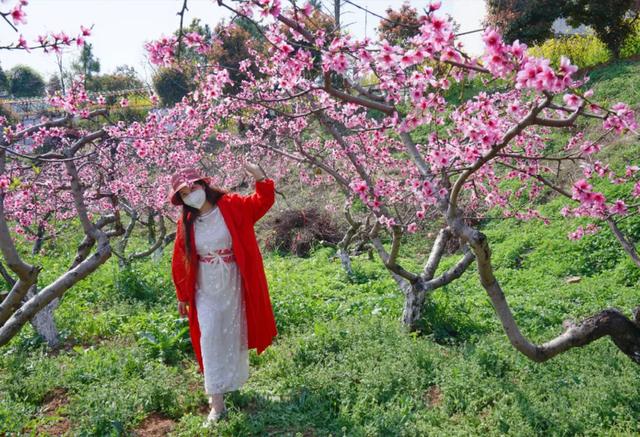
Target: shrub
{"points": [[631, 46], [131, 285], [25, 82], [583, 50], [171, 85], [294, 231], [8, 113], [165, 343]]}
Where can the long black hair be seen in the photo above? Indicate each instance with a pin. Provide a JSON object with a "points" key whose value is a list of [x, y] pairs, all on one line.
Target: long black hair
{"points": [[213, 193]]}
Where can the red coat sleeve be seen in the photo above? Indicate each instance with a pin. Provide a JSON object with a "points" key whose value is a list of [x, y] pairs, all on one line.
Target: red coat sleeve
{"points": [[178, 271], [261, 200]]}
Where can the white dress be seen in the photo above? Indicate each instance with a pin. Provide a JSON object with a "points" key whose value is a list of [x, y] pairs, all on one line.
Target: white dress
{"points": [[220, 307]]}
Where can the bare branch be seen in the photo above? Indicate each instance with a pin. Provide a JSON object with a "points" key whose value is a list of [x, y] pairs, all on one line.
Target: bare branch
{"points": [[372, 104], [437, 250], [180, 29], [624, 332], [627, 245], [454, 272]]}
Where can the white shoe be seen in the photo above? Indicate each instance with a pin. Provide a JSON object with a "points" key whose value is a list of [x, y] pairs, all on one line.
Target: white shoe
{"points": [[214, 416]]}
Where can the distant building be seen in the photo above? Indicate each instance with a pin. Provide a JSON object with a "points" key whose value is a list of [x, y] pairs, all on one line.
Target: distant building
{"points": [[560, 27]]}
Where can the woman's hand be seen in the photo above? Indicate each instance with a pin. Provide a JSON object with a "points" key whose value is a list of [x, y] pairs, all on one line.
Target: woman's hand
{"points": [[253, 170], [183, 309]]}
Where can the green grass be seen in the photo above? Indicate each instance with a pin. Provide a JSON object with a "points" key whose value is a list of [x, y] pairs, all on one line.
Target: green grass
{"points": [[342, 364]]}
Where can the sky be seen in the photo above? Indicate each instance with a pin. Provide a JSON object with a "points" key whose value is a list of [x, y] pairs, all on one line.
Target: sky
{"points": [[121, 27]]}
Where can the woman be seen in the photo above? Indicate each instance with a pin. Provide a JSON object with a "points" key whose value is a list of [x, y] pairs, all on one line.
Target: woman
{"points": [[219, 277]]}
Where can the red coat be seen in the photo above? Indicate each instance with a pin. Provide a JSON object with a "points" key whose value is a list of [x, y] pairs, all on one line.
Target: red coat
{"points": [[240, 213]]}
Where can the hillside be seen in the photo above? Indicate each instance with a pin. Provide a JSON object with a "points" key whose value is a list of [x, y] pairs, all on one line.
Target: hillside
{"points": [[341, 364]]}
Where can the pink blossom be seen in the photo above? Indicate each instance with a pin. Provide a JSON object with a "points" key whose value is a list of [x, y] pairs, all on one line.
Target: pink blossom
{"points": [[359, 187], [43, 40], [286, 49], [389, 222], [491, 38], [408, 59], [589, 148], [271, 7], [600, 169], [619, 207], [193, 39], [387, 59], [61, 38], [578, 234], [598, 199], [4, 182], [450, 54], [439, 158], [518, 49], [161, 52], [565, 66], [335, 61], [571, 100], [620, 109], [18, 15], [437, 24], [23, 43], [582, 186], [630, 170], [417, 93], [307, 9]]}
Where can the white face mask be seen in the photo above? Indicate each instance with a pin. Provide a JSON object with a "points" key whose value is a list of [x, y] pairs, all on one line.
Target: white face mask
{"points": [[195, 199]]}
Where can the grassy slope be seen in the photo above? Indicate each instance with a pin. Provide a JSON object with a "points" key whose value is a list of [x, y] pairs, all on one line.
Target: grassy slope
{"points": [[342, 365]]}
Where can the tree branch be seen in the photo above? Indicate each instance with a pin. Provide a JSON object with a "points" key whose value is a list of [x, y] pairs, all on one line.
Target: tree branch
{"points": [[624, 332]]}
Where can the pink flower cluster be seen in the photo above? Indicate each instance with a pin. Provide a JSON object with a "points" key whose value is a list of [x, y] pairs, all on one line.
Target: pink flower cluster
{"points": [[49, 42], [622, 119], [54, 41], [162, 51], [500, 58], [74, 101], [581, 231], [17, 14], [4, 182], [270, 8], [582, 192], [536, 73]]}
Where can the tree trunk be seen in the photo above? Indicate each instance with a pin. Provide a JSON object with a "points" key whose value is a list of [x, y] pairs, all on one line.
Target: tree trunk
{"points": [[345, 260], [43, 321], [156, 256], [414, 298]]}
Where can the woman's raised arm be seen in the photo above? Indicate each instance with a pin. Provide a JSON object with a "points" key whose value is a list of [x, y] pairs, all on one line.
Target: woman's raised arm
{"points": [[261, 200]]}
